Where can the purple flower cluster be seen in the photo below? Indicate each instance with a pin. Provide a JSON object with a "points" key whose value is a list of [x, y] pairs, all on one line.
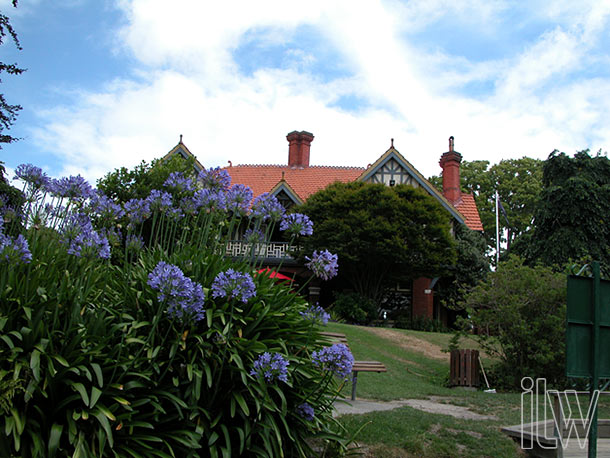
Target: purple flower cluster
{"points": [[159, 201], [73, 187], [183, 296], [178, 182], [272, 366], [233, 285], [137, 210], [323, 264], [134, 243], [210, 200], [337, 358], [297, 224], [267, 207], [238, 199], [105, 207], [254, 236], [315, 313], [14, 249], [306, 412], [82, 239], [32, 175], [214, 179]]}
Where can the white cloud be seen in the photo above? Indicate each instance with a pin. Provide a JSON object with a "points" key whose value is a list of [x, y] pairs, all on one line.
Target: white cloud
{"points": [[189, 83]]}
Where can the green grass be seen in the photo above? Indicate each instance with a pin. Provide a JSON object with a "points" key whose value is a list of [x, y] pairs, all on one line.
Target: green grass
{"points": [[412, 375]]}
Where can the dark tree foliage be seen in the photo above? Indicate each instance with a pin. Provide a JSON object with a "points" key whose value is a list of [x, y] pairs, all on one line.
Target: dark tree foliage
{"points": [[8, 112], [471, 267], [381, 234], [519, 314], [10, 197], [124, 184], [572, 220]]}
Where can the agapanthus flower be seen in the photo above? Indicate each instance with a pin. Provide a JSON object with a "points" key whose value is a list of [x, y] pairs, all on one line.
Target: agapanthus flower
{"points": [[337, 358], [178, 182], [82, 240], [215, 179], [134, 243], [113, 234], [159, 201], [105, 208], [233, 285], [32, 175], [315, 313], [188, 205], [73, 187], [183, 296], [175, 213], [210, 200], [137, 210], [297, 224], [305, 411], [11, 214], [271, 366], [267, 207], [254, 236], [238, 198], [14, 249], [323, 264]]}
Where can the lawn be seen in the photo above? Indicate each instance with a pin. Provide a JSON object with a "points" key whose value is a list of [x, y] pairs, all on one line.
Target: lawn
{"points": [[417, 369]]}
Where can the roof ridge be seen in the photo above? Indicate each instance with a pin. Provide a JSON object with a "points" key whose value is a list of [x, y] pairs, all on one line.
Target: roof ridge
{"points": [[288, 167]]}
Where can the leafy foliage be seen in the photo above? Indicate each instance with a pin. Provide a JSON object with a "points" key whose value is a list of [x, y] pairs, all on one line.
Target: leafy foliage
{"points": [[354, 308], [380, 233], [571, 220], [519, 314], [123, 184], [471, 267], [101, 363], [518, 182], [8, 112]]}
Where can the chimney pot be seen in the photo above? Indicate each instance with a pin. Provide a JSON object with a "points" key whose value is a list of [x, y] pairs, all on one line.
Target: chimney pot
{"points": [[450, 163]]}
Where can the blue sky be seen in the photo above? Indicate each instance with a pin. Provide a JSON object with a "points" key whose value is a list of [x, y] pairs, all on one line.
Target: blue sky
{"points": [[111, 83]]}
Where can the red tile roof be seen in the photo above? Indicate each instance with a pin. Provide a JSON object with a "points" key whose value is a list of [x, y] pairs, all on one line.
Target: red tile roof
{"points": [[308, 180], [467, 207], [303, 181]]}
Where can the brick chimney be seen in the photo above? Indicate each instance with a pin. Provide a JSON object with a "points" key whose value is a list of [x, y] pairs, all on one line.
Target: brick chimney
{"points": [[299, 144], [450, 163]]}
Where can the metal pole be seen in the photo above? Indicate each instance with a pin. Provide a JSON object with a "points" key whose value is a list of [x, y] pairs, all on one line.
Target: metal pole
{"points": [[497, 233], [595, 358]]}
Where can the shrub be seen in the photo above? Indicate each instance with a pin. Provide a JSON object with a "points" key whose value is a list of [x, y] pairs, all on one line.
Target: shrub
{"points": [[152, 351], [354, 308], [519, 312]]}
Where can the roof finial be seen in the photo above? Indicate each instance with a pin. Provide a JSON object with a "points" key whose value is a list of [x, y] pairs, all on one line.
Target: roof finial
{"points": [[451, 143], [392, 140], [283, 175], [230, 163], [180, 138]]}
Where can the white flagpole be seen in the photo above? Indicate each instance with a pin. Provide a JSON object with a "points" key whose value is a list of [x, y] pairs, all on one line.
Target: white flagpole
{"points": [[497, 233]]}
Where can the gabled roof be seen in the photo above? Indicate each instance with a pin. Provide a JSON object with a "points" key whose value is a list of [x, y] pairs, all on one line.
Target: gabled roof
{"points": [[393, 154], [301, 181], [285, 187], [183, 151]]}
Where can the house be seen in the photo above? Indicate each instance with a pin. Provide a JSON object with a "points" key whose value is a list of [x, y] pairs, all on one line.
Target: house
{"points": [[294, 182]]}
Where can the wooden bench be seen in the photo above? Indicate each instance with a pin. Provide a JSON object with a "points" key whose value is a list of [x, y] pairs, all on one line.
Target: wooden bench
{"points": [[359, 366]]}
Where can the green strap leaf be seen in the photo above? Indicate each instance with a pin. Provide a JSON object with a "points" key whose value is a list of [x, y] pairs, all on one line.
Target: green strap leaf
{"points": [[54, 438]]}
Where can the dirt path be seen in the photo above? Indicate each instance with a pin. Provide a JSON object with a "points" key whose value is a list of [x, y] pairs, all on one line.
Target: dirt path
{"points": [[410, 343], [360, 406]]}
